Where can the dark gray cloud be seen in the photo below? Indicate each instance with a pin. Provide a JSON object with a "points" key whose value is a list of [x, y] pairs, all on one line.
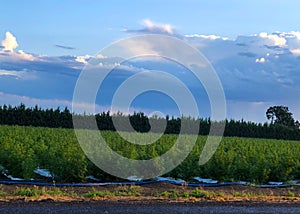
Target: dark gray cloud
{"points": [[273, 47], [241, 44], [65, 47], [4, 54], [247, 54]]}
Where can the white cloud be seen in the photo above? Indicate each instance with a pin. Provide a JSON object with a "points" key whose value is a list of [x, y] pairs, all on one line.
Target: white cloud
{"points": [[148, 23], [291, 35], [100, 56], [10, 73], [9, 43], [296, 51], [151, 26], [260, 60], [273, 39], [24, 74], [17, 56], [209, 37], [154, 28], [293, 41], [83, 59], [26, 56]]}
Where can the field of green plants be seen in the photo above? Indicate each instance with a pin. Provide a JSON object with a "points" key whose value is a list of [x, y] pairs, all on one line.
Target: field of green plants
{"points": [[23, 149]]}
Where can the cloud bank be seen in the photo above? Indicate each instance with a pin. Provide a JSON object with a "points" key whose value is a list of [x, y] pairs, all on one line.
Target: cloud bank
{"points": [[256, 71]]}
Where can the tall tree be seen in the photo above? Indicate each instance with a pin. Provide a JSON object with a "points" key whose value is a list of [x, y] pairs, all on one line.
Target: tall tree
{"points": [[282, 116]]}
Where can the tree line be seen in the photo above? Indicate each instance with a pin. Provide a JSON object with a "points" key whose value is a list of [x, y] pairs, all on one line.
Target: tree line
{"points": [[62, 118]]}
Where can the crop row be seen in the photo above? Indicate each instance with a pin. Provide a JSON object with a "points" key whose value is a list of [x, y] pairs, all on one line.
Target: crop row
{"points": [[23, 149]]}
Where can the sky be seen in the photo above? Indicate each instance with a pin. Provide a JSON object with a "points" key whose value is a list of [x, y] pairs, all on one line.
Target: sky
{"points": [[254, 47], [89, 25]]}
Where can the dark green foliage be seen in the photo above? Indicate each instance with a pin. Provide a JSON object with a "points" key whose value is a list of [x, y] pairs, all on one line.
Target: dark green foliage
{"points": [[20, 115], [281, 115], [22, 149]]}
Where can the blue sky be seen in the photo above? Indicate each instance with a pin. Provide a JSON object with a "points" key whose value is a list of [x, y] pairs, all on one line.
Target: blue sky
{"points": [[89, 25], [253, 45]]}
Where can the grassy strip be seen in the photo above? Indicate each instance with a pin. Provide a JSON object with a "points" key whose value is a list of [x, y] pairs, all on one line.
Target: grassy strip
{"points": [[36, 192], [137, 191], [122, 191]]}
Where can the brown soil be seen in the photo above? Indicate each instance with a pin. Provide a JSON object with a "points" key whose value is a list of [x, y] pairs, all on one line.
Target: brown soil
{"points": [[153, 192]]}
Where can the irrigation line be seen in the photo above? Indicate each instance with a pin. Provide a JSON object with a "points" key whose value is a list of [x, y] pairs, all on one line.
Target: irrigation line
{"points": [[6, 182]]}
